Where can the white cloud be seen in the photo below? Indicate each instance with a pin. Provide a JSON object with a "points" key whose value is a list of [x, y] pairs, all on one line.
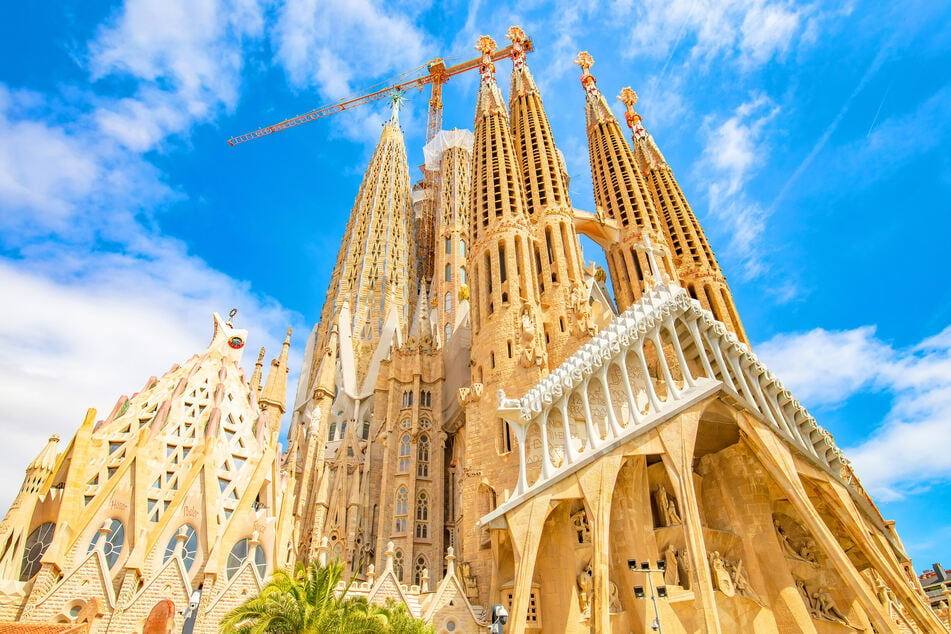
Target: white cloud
{"points": [[96, 301], [733, 150], [332, 44], [65, 180], [342, 48], [186, 56], [908, 449], [752, 32]]}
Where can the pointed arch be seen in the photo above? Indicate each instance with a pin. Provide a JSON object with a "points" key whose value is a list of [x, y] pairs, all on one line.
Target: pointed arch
{"points": [[402, 509], [422, 515], [422, 456], [403, 462]]}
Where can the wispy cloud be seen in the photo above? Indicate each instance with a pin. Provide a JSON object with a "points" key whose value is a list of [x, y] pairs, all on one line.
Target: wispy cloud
{"points": [[341, 48], [734, 149], [909, 448], [750, 32], [185, 57]]}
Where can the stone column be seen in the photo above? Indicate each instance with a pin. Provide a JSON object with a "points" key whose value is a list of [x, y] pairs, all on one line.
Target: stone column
{"points": [[678, 437]]}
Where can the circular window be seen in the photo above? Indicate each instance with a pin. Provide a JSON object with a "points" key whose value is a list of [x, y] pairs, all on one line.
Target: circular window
{"points": [[36, 544], [189, 546], [239, 554], [112, 541], [450, 626], [236, 342]]}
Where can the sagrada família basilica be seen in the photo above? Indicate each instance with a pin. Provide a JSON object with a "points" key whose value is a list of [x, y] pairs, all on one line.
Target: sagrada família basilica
{"points": [[483, 419]]}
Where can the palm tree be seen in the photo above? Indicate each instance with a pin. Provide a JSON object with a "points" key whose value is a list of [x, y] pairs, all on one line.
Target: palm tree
{"points": [[306, 603]]}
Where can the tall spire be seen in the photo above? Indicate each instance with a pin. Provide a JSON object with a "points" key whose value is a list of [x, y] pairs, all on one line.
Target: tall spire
{"points": [[697, 266], [372, 272], [558, 252], [275, 389], [621, 197]]}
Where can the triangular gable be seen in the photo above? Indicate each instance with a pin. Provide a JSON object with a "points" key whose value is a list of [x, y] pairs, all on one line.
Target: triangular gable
{"points": [[173, 574], [387, 586], [242, 586], [90, 579], [450, 589]]}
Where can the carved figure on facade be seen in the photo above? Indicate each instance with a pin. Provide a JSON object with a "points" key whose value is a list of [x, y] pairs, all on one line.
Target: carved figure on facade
{"points": [[666, 507], [581, 311], [806, 549], [722, 580], [585, 586], [469, 582], [532, 352], [579, 521], [614, 601], [740, 581], [820, 603], [672, 566]]}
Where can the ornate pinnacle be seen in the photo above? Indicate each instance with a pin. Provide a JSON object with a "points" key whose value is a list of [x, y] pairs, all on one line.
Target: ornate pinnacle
{"points": [[585, 61], [487, 46], [518, 37], [516, 34], [628, 97]]}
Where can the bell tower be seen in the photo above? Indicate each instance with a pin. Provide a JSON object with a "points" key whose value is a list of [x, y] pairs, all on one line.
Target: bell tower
{"points": [[696, 264], [557, 253], [625, 208]]}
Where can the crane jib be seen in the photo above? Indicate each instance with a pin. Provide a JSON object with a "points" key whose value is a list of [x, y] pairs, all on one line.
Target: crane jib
{"points": [[437, 76]]}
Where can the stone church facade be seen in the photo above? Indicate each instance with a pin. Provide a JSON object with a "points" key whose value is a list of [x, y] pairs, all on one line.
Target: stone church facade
{"points": [[480, 422]]}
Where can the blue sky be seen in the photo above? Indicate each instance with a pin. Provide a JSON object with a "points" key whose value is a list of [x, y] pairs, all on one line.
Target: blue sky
{"points": [[811, 139]]}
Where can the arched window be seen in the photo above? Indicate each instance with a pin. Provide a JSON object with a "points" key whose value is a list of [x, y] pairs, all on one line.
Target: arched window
{"points": [[422, 457], [366, 429], [418, 570], [422, 516], [402, 504], [448, 246], [240, 553], [189, 545], [112, 536], [36, 545], [331, 431], [410, 399], [398, 564], [403, 464], [405, 398], [448, 331], [462, 275], [448, 302], [448, 272], [462, 248]]}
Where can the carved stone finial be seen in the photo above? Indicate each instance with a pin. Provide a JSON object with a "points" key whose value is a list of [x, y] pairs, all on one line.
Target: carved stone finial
{"points": [[585, 61], [486, 45], [627, 96]]}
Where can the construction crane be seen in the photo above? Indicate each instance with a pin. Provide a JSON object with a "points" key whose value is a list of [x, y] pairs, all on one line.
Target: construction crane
{"points": [[437, 75]]}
